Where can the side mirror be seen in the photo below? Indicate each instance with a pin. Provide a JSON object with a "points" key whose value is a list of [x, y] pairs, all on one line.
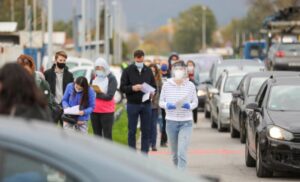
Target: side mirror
{"points": [[254, 107], [236, 94], [214, 91]]}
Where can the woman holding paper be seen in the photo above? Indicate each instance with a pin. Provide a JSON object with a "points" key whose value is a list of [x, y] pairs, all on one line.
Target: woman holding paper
{"points": [[105, 86], [79, 94], [178, 97]]}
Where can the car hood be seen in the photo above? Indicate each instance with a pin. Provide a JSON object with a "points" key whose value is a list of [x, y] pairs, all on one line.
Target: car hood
{"points": [[288, 120]]}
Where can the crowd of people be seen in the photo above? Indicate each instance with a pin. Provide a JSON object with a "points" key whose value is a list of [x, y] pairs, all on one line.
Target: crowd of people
{"points": [[172, 102]]}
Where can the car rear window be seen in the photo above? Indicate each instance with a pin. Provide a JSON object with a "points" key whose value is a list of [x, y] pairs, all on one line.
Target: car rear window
{"points": [[289, 47], [255, 85]]}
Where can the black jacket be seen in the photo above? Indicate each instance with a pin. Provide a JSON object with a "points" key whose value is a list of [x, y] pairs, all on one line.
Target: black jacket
{"points": [[50, 76], [33, 112], [131, 76], [112, 88]]}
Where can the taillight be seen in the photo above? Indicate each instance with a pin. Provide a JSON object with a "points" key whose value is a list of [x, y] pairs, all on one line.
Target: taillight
{"points": [[280, 54]]}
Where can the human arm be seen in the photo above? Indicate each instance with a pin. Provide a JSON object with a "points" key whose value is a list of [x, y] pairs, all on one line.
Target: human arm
{"points": [[67, 94], [112, 87]]}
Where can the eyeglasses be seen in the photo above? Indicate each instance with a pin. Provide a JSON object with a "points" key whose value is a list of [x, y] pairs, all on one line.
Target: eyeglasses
{"points": [[24, 61]]}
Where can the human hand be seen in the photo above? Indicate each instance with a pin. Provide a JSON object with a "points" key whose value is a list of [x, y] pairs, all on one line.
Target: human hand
{"points": [[186, 106], [137, 87], [81, 113], [171, 106]]}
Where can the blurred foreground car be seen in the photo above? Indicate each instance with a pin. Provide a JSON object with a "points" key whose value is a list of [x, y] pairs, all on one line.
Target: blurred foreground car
{"points": [[36, 151], [273, 129]]}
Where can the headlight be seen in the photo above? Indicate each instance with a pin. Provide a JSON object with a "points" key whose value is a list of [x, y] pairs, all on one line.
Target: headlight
{"points": [[225, 105], [279, 133], [201, 93]]}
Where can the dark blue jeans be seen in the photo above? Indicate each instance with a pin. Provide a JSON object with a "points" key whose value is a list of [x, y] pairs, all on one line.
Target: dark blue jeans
{"points": [[134, 111], [153, 132]]}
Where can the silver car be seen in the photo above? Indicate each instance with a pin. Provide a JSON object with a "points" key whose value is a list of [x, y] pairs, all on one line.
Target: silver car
{"points": [[222, 96]]}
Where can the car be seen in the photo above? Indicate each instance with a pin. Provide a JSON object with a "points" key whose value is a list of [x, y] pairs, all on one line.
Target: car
{"points": [[88, 72], [72, 62], [39, 151], [272, 127], [222, 95], [229, 65], [203, 63], [245, 94], [284, 56]]}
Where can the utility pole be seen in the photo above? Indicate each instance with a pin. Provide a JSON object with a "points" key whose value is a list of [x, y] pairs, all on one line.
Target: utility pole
{"points": [[34, 14], [107, 31], [26, 15], [98, 23], [12, 10], [83, 28], [204, 28], [50, 29]]}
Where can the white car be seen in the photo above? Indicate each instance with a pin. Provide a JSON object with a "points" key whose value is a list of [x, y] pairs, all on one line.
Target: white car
{"points": [[72, 62], [222, 96]]}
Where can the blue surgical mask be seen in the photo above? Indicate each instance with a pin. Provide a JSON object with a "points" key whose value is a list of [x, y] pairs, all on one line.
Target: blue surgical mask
{"points": [[164, 67], [100, 73], [139, 65]]}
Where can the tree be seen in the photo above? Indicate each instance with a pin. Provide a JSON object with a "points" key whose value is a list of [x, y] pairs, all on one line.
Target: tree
{"points": [[188, 29], [64, 27]]}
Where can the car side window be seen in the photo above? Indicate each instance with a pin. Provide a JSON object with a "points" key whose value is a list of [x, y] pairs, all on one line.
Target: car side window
{"points": [[16, 167]]}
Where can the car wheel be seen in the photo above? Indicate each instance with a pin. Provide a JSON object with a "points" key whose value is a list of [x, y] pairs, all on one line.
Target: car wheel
{"points": [[261, 171], [219, 124], [242, 132], [233, 132], [206, 113], [213, 124], [250, 162]]}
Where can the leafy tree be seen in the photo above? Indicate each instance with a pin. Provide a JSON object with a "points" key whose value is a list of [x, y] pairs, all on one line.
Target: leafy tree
{"points": [[188, 29], [64, 27]]}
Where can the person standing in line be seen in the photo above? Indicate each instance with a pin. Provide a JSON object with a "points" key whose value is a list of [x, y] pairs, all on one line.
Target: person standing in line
{"points": [[58, 78], [79, 94], [105, 86], [178, 97], [131, 84], [155, 106], [193, 76], [20, 96]]}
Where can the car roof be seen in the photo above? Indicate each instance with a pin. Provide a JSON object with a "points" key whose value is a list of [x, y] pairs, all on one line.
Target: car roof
{"points": [[85, 152], [272, 73], [292, 80], [239, 62]]}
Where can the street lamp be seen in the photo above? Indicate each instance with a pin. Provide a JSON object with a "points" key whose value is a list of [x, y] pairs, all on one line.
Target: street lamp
{"points": [[203, 28]]}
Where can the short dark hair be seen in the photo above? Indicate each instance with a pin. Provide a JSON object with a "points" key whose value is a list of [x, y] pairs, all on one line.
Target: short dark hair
{"points": [[138, 54], [179, 63]]}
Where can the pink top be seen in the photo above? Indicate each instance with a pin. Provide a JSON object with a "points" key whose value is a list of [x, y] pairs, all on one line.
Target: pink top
{"points": [[104, 106]]}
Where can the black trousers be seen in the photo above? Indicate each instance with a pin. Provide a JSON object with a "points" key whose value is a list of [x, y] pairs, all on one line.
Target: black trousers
{"points": [[164, 137], [102, 124], [195, 115]]}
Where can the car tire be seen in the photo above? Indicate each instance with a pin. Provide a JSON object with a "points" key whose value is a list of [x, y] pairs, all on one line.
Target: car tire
{"points": [[219, 124], [261, 171], [233, 132], [206, 113], [249, 160]]}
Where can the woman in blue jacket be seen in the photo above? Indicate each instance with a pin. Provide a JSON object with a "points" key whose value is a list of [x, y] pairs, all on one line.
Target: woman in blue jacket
{"points": [[79, 93]]}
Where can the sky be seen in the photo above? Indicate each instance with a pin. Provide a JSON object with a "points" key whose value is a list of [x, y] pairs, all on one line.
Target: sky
{"points": [[146, 15]]}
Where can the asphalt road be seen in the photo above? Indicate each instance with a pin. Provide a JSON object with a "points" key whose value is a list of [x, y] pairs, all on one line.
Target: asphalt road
{"points": [[216, 154]]}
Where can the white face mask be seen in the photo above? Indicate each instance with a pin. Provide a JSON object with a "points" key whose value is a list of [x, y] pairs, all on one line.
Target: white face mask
{"points": [[178, 74], [190, 68]]}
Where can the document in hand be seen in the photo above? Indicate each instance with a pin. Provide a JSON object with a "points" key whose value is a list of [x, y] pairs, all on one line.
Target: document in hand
{"points": [[72, 110], [96, 88], [146, 88], [179, 103]]}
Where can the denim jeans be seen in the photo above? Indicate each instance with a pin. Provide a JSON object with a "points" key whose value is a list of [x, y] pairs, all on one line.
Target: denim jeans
{"points": [[179, 134], [134, 111], [153, 132]]}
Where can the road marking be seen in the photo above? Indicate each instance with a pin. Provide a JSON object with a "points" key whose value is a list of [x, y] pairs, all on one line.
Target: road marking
{"points": [[203, 152]]}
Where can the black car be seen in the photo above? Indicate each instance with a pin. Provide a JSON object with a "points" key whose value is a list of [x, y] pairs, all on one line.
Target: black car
{"points": [[230, 65], [273, 127], [36, 151], [245, 94]]}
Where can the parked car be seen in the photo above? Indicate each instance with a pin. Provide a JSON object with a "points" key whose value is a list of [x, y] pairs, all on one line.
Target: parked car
{"points": [[38, 151], [71, 62], [222, 96], [284, 56], [229, 65], [203, 63], [272, 127], [245, 94]]}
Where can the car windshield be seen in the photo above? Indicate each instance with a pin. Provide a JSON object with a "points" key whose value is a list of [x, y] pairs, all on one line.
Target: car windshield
{"points": [[232, 82], [289, 47], [71, 65], [255, 85], [79, 73], [285, 98]]}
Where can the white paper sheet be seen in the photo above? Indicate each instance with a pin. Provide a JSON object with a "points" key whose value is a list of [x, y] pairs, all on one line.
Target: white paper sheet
{"points": [[72, 110], [146, 88], [181, 101], [146, 97]]}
